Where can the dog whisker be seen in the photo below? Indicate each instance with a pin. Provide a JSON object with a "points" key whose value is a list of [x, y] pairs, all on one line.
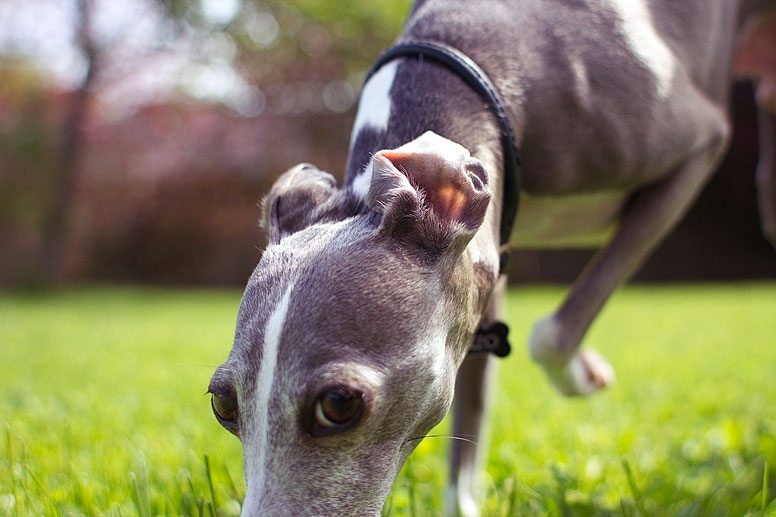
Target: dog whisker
{"points": [[450, 436]]}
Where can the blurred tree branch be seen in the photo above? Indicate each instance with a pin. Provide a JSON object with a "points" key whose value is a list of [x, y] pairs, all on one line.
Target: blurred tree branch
{"points": [[69, 150]]}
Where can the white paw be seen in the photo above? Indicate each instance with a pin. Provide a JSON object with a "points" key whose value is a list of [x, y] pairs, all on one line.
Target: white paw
{"points": [[586, 372], [460, 503], [468, 507], [543, 344], [583, 374]]}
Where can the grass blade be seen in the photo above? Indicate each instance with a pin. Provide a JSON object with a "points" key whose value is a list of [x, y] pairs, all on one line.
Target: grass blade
{"points": [[10, 464], [232, 485], [140, 491], [191, 486], [28, 501], [512, 497], [42, 490], [634, 489], [764, 493], [411, 482], [210, 482]]}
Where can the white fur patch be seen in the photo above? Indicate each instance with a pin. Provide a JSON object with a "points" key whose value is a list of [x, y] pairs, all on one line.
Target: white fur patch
{"points": [[361, 183], [590, 372], [374, 107], [436, 341], [586, 372], [264, 383], [543, 342], [460, 501], [644, 41], [581, 81], [374, 111]]}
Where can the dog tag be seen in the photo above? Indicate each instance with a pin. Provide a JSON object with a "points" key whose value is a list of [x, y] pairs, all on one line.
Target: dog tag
{"points": [[491, 338]]}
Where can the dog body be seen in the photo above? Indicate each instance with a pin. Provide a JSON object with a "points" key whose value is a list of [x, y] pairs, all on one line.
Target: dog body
{"points": [[354, 327]]}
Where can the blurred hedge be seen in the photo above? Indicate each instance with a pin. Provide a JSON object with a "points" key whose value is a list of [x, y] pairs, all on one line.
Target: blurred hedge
{"points": [[168, 191]]}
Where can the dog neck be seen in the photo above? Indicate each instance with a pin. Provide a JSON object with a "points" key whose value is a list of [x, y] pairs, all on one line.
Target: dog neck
{"points": [[408, 96]]}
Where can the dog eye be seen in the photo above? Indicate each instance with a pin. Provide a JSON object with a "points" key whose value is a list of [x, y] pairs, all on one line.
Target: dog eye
{"points": [[338, 406], [225, 409]]}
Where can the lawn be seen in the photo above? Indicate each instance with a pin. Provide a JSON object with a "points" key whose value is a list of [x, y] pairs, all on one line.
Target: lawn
{"points": [[102, 397]]}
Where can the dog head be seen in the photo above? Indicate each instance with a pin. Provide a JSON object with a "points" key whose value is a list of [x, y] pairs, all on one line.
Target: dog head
{"points": [[352, 327]]}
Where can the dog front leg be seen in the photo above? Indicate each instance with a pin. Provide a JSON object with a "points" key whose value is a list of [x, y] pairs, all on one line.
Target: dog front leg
{"points": [[470, 407], [472, 388], [650, 215]]}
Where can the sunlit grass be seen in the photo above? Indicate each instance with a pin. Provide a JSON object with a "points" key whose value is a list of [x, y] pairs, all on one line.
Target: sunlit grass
{"points": [[686, 430], [102, 409], [104, 394]]}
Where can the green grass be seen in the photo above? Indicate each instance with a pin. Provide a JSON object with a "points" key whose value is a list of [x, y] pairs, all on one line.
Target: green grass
{"points": [[102, 409]]}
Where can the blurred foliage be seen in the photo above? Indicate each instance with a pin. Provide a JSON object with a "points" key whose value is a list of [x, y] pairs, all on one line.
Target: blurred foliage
{"points": [[28, 136], [297, 48], [157, 183], [302, 31], [26, 141]]}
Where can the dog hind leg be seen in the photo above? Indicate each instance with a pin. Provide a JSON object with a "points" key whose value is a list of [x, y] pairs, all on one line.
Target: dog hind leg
{"points": [[650, 215]]}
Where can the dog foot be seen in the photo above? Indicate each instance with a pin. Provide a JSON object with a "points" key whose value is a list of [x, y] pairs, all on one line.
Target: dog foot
{"points": [[459, 503], [586, 372], [467, 507]]}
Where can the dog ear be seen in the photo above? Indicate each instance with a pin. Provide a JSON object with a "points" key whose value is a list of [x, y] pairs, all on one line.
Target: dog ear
{"points": [[431, 190], [294, 199]]}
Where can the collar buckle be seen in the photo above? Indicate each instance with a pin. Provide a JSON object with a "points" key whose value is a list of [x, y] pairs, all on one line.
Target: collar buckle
{"points": [[491, 339]]}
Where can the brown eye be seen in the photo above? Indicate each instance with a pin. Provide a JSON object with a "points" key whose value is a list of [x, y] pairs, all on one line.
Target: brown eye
{"points": [[338, 406], [224, 407]]}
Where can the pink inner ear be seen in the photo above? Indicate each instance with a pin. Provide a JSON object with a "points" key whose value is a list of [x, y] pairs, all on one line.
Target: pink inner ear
{"points": [[449, 202], [445, 185], [454, 183], [395, 155]]}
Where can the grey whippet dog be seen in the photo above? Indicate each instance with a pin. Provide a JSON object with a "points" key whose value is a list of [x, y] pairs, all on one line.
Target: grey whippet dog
{"points": [[353, 330]]}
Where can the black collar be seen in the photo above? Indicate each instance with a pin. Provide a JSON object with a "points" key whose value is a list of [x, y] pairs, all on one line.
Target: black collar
{"points": [[478, 81], [489, 338]]}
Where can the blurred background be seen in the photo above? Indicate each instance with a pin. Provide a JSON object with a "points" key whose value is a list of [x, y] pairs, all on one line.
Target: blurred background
{"points": [[137, 138]]}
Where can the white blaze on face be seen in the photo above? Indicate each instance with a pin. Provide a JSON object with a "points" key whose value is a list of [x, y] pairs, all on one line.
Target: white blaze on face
{"points": [[639, 32], [256, 455]]}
